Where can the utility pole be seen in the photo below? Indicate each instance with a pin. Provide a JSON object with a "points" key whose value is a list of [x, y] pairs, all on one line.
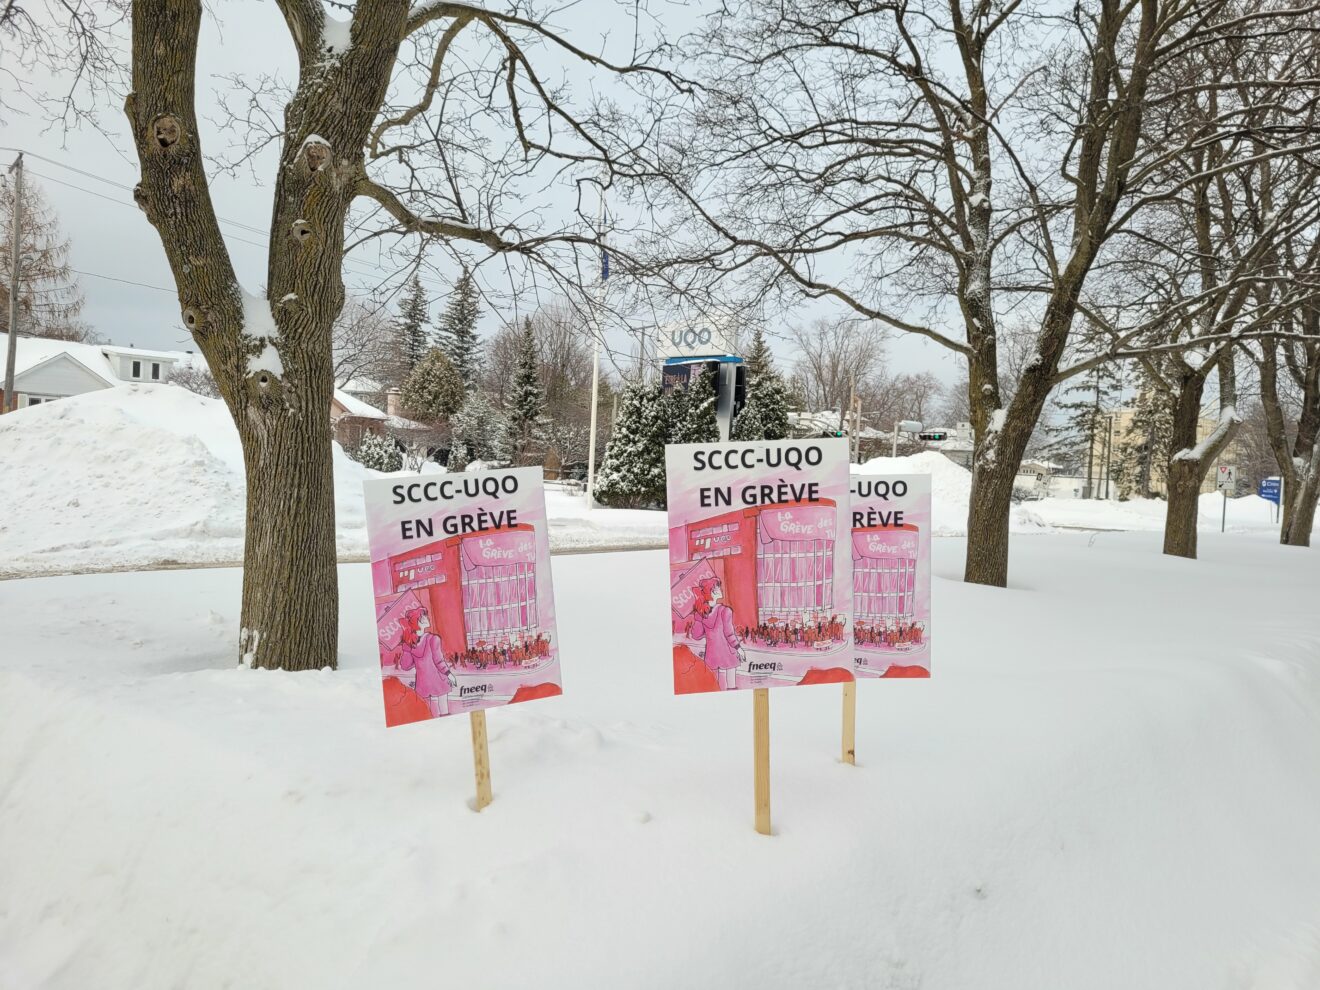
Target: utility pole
{"points": [[595, 364], [852, 416], [15, 250]]}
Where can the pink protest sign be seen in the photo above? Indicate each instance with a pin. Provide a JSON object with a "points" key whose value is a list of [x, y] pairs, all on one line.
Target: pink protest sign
{"points": [[760, 585], [891, 575], [465, 613]]}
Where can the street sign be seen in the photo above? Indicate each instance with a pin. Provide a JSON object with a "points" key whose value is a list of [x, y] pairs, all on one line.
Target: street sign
{"points": [[1227, 479], [1271, 489]]}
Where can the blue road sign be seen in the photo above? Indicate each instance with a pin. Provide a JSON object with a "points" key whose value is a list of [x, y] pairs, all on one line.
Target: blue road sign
{"points": [[1270, 489]]}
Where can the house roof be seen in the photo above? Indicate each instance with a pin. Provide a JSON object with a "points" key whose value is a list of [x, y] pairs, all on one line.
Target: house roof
{"points": [[30, 352], [356, 407], [138, 352]]}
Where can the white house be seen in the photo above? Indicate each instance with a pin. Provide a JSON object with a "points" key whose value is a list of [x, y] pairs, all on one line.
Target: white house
{"points": [[54, 369], [45, 370], [132, 364]]}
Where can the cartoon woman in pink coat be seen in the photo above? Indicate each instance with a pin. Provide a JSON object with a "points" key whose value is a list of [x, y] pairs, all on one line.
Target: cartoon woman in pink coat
{"points": [[713, 621], [420, 649]]}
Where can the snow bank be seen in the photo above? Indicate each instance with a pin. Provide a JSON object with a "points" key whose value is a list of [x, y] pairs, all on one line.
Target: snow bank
{"points": [[135, 476], [951, 490], [148, 475], [1109, 783]]}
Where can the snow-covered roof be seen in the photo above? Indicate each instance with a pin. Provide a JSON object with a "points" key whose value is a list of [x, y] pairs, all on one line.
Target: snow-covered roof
{"points": [[363, 386], [138, 352], [356, 407], [33, 351]]}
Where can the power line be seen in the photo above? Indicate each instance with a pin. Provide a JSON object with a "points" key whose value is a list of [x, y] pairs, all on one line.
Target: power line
{"points": [[126, 281], [362, 268]]}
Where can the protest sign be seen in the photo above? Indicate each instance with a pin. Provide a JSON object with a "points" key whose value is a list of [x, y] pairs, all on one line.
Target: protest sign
{"points": [[760, 568], [465, 614], [891, 575]]}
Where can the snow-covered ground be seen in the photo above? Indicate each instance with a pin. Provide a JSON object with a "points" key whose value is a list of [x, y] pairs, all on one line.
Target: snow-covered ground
{"points": [[152, 475], [1110, 781], [951, 489]]}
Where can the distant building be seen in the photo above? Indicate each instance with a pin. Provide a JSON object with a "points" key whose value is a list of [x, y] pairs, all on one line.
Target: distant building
{"points": [[46, 370]]}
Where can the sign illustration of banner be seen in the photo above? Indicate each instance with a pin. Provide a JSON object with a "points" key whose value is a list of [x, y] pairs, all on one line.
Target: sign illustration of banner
{"points": [[465, 614], [760, 579], [891, 575]]}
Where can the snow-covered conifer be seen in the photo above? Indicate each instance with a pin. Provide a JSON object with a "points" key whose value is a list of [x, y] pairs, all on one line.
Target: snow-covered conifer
{"points": [[632, 475], [380, 453], [456, 332], [414, 339], [434, 390], [527, 400]]}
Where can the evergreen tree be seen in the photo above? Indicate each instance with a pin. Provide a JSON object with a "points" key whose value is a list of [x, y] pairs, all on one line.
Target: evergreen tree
{"points": [[433, 391], [1143, 452], [764, 415], [476, 433], [456, 333], [1077, 436], [380, 453], [689, 412], [413, 336], [526, 400], [632, 475]]}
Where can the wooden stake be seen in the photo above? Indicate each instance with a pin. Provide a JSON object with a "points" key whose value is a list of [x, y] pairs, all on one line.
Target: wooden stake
{"points": [[850, 723], [761, 749], [481, 757]]}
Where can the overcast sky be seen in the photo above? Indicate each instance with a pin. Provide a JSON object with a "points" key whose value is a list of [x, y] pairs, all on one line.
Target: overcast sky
{"points": [[113, 246]]}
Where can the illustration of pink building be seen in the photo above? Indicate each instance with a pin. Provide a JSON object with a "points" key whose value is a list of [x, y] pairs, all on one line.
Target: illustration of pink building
{"points": [[885, 574], [479, 588], [777, 560]]}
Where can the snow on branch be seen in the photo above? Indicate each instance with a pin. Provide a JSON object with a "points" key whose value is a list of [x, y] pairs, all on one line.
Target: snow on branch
{"points": [[1229, 418]]}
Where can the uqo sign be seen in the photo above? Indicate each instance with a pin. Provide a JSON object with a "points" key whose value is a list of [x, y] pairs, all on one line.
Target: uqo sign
{"points": [[692, 340]]}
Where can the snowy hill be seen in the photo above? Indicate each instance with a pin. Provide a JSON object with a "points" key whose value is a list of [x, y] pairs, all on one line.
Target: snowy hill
{"points": [[148, 475]]}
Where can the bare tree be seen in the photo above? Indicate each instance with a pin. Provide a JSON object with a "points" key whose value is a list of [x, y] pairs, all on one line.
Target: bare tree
{"points": [[73, 41], [938, 166], [1202, 268], [195, 379], [363, 343], [49, 297], [397, 112], [1290, 382], [834, 357]]}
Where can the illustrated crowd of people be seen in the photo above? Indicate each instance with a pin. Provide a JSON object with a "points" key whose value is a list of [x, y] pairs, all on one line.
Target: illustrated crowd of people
{"points": [[524, 651], [803, 632], [421, 650], [892, 634]]}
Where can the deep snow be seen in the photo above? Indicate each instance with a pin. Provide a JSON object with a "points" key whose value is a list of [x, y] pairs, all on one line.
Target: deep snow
{"points": [[1110, 782], [152, 475]]}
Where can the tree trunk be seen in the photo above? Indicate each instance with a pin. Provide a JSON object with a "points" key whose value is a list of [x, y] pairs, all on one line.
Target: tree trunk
{"points": [[987, 526], [1298, 532], [1299, 511], [1183, 508], [290, 610]]}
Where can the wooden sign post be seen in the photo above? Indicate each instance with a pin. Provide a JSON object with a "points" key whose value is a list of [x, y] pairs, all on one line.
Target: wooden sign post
{"points": [[850, 723], [761, 750], [481, 758]]}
